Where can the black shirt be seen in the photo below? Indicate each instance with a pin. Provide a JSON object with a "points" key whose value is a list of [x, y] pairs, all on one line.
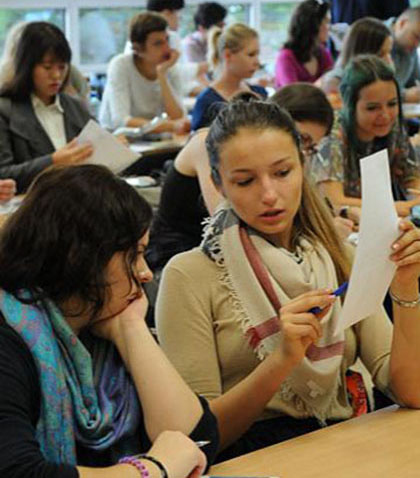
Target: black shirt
{"points": [[20, 401]]}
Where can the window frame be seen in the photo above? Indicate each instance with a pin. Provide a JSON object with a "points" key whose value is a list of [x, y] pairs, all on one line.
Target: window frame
{"points": [[71, 17]]}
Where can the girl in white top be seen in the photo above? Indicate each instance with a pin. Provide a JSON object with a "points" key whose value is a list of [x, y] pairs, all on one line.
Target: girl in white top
{"points": [[142, 85]]}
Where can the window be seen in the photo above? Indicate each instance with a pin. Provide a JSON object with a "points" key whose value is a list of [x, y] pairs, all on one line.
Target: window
{"points": [[98, 29], [11, 16], [275, 19], [239, 12], [103, 33]]}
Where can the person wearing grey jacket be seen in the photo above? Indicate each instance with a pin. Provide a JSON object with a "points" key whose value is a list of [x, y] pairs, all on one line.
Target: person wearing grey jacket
{"points": [[39, 123], [25, 147]]}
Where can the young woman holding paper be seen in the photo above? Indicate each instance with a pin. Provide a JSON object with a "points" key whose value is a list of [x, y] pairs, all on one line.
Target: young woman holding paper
{"points": [[38, 123], [234, 315], [370, 120]]}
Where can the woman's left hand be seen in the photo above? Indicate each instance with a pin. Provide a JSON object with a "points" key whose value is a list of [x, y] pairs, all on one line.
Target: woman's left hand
{"points": [[406, 255]]}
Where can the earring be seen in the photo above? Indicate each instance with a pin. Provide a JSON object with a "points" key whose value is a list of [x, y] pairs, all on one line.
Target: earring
{"points": [[142, 275]]}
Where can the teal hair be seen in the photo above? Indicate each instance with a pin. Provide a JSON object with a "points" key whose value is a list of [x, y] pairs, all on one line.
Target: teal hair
{"points": [[362, 71]]}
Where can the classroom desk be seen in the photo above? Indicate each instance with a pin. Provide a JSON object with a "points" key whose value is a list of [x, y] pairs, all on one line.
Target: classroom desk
{"points": [[150, 148], [383, 444], [153, 154], [411, 110]]}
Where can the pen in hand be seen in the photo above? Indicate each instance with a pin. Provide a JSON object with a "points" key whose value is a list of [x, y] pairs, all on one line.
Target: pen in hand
{"points": [[337, 292], [202, 443]]}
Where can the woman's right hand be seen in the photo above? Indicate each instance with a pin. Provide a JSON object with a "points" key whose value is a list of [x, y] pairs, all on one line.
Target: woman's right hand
{"points": [[72, 153], [301, 328], [179, 454], [172, 58]]}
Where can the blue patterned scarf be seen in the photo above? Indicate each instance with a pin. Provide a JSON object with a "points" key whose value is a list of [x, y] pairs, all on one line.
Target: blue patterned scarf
{"points": [[86, 393]]}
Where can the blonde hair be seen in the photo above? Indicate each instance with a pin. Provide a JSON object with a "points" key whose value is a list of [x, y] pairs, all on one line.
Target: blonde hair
{"points": [[232, 38], [7, 65]]}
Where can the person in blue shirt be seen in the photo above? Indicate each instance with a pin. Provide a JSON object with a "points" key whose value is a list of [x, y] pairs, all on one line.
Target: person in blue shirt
{"points": [[234, 58]]}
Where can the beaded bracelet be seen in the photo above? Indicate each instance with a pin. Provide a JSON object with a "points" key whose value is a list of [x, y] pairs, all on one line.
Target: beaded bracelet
{"points": [[411, 304], [163, 470], [134, 461]]}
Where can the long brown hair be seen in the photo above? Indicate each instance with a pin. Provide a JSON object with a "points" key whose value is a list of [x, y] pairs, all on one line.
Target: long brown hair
{"points": [[313, 219]]}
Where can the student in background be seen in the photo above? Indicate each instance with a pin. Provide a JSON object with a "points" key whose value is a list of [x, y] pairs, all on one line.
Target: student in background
{"points": [[314, 117], [304, 56], [193, 75], [234, 57], [143, 84], [233, 315], [369, 121], [76, 85], [406, 32], [366, 36], [188, 197], [311, 112], [208, 14], [72, 320], [171, 12], [39, 123]]}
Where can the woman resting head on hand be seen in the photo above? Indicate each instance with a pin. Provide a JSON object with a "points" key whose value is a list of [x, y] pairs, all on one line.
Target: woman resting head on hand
{"points": [[72, 314]]}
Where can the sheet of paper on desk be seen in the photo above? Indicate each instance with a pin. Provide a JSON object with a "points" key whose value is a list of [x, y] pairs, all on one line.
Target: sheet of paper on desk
{"points": [[411, 110], [372, 269], [107, 150]]}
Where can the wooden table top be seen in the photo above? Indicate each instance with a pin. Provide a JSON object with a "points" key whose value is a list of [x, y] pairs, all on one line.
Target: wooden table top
{"points": [[3, 218], [148, 148], [383, 444]]}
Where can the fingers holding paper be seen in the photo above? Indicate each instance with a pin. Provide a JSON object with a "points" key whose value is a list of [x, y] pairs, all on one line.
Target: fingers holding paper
{"points": [[406, 254]]}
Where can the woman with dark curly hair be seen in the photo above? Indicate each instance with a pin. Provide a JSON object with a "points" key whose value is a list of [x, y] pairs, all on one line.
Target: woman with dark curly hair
{"points": [[304, 56], [84, 385]]}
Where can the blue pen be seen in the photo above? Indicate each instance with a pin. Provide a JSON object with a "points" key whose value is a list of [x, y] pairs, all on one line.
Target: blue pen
{"points": [[337, 292]]}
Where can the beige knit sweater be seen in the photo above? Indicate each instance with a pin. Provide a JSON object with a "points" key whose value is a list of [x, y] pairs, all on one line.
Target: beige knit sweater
{"points": [[199, 331]]}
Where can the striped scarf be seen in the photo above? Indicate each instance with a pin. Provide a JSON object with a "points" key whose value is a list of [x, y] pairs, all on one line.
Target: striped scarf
{"points": [[260, 278]]}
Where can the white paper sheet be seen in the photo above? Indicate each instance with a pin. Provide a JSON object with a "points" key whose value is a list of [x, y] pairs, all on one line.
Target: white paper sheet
{"points": [[372, 271], [107, 150], [411, 110]]}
